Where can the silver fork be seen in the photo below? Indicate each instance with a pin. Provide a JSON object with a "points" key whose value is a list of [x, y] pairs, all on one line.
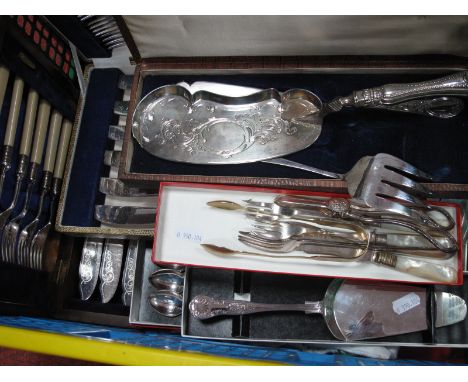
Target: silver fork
{"points": [[28, 232], [10, 233], [39, 239], [290, 226], [22, 168], [383, 182]]}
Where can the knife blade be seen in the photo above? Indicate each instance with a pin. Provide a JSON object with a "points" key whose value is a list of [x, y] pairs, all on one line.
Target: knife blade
{"points": [[129, 272], [115, 187], [116, 132], [125, 215], [89, 266], [111, 265], [112, 157]]}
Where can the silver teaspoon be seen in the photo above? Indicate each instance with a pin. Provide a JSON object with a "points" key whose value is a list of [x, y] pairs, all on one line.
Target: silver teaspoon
{"points": [[167, 303], [168, 279]]}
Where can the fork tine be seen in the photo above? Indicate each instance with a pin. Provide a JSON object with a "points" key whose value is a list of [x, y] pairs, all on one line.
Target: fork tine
{"points": [[398, 165], [412, 188], [389, 192]]}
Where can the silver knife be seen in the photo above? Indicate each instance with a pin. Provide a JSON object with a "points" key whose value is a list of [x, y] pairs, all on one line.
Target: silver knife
{"points": [[125, 82], [121, 107], [111, 265], [111, 157], [115, 187], [89, 266], [128, 276], [126, 215], [116, 132]]}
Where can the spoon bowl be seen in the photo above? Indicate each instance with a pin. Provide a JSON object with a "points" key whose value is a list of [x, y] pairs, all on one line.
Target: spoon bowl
{"points": [[168, 279], [167, 303]]}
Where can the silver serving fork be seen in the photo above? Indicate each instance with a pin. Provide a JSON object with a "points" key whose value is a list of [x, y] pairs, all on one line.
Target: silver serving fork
{"points": [[27, 233], [382, 182], [39, 239]]}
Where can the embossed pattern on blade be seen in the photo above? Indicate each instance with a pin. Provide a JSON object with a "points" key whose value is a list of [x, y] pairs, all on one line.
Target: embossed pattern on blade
{"points": [[129, 272], [89, 266], [111, 264]]}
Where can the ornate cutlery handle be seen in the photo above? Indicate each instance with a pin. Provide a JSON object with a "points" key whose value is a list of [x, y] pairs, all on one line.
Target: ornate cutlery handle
{"points": [[203, 307], [392, 94], [424, 269]]}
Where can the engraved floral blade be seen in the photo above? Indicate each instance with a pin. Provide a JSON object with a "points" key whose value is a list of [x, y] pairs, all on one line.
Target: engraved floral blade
{"points": [[110, 268], [89, 266], [128, 276]]}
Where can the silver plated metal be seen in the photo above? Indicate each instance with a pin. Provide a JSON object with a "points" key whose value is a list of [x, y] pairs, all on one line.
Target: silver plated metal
{"points": [[143, 217], [89, 266], [173, 124], [352, 310], [167, 303], [128, 276], [168, 279], [115, 187], [112, 157], [111, 264]]}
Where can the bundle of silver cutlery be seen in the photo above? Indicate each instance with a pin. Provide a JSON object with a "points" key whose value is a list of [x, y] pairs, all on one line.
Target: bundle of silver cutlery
{"points": [[321, 229]]}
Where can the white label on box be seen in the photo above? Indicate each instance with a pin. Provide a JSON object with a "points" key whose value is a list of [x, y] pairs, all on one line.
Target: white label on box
{"points": [[406, 303]]}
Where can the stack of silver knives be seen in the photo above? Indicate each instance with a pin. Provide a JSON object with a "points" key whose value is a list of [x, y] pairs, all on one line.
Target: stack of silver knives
{"points": [[102, 259]]}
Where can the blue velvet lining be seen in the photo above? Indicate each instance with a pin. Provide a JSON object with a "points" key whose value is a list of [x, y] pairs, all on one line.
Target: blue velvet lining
{"points": [[431, 144], [434, 145], [92, 141]]}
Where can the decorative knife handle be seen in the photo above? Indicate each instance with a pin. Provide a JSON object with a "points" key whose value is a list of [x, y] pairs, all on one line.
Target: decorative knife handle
{"points": [[420, 268], [392, 94], [203, 307]]}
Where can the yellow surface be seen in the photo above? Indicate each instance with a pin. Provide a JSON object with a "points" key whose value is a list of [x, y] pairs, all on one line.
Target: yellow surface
{"points": [[102, 351]]}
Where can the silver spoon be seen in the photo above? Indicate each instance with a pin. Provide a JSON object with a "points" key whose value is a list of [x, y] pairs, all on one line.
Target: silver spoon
{"points": [[167, 303], [168, 280]]}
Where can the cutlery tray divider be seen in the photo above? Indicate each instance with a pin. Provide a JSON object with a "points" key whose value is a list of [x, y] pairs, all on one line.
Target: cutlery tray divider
{"points": [[141, 312], [90, 143], [294, 327], [346, 136], [69, 305]]}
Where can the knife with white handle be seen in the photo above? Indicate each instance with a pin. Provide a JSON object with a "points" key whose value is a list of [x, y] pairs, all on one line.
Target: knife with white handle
{"points": [[10, 133], [4, 74]]}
